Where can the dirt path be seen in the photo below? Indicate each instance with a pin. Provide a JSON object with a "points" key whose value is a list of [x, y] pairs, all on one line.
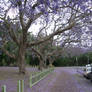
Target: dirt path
{"points": [[59, 81]]}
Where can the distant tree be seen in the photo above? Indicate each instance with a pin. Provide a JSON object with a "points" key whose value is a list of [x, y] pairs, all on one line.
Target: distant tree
{"points": [[52, 49]]}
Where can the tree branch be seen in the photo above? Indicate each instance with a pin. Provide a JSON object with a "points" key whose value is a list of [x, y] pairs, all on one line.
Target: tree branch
{"points": [[59, 30], [37, 52], [31, 20], [4, 50], [12, 33], [7, 53], [21, 14], [25, 3]]}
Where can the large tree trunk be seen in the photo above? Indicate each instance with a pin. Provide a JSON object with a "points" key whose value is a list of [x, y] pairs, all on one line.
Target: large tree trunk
{"points": [[45, 66], [41, 63], [50, 61], [45, 62], [21, 60]]}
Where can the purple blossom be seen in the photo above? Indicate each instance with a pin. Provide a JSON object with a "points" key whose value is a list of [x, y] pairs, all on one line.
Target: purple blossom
{"points": [[0, 21], [47, 2], [64, 3], [90, 28], [89, 11], [42, 9], [83, 8], [55, 0], [41, 1]]}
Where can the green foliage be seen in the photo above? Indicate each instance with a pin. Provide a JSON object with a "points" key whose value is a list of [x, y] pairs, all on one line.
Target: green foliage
{"points": [[82, 60], [64, 61], [6, 61], [32, 61]]}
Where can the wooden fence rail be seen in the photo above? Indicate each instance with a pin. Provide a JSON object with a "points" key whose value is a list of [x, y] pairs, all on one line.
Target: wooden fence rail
{"points": [[34, 79]]}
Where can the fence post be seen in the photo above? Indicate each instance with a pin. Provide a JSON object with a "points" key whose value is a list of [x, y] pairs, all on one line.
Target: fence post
{"points": [[4, 88], [22, 85], [30, 80], [19, 87]]}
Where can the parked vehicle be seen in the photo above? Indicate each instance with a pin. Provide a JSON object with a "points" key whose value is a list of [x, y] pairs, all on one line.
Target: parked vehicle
{"points": [[89, 76], [88, 71]]}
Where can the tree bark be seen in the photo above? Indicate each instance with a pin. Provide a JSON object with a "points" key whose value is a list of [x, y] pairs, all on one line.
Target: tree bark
{"points": [[50, 61], [45, 62], [41, 63], [21, 60]]}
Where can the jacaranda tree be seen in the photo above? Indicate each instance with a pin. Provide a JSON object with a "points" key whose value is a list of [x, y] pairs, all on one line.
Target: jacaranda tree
{"points": [[73, 15]]}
